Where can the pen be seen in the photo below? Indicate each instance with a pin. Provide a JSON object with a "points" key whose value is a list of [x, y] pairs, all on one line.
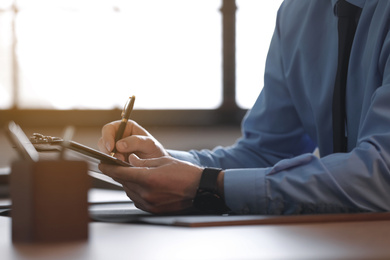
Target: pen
{"points": [[125, 117], [68, 134]]}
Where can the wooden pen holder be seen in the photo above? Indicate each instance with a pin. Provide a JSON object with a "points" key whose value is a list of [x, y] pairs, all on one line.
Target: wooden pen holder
{"points": [[49, 201]]}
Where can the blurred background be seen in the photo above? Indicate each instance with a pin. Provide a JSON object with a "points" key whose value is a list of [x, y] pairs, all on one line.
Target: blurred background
{"points": [[195, 66]]}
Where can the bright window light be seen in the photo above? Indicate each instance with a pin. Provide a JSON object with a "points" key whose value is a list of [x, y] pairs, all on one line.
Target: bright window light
{"points": [[94, 54], [255, 25], [5, 56], [88, 54]]}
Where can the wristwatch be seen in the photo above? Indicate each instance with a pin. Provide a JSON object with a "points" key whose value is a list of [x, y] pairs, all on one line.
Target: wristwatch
{"points": [[207, 199]]}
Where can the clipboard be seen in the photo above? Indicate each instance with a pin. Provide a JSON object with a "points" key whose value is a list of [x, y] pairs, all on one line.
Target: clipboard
{"points": [[44, 143], [21, 142], [129, 215], [34, 148]]}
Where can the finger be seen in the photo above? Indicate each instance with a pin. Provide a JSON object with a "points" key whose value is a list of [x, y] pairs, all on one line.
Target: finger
{"points": [[134, 143], [133, 193], [107, 141], [109, 131], [149, 202], [149, 163], [143, 146], [140, 197], [133, 128], [101, 145], [125, 174], [103, 148]]}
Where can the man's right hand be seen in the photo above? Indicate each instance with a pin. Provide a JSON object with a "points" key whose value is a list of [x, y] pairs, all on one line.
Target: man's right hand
{"points": [[135, 140]]}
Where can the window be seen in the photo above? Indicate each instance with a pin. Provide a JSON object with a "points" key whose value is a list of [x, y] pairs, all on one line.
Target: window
{"points": [[167, 53], [6, 17], [255, 26], [92, 55]]}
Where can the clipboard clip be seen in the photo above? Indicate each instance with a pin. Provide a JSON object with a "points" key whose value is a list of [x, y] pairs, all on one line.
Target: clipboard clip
{"points": [[47, 143], [37, 138]]}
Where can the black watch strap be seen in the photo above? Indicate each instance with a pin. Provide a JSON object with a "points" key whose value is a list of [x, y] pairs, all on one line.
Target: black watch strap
{"points": [[208, 199], [208, 181]]}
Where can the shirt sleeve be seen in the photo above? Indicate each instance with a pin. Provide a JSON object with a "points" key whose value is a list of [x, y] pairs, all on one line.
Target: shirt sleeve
{"points": [[272, 168]]}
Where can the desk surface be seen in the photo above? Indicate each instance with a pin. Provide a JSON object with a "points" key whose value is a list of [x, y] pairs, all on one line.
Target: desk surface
{"points": [[352, 240]]}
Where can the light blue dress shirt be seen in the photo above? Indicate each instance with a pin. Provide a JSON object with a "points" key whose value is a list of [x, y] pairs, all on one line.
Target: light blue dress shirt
{"points": [[271, 169]]}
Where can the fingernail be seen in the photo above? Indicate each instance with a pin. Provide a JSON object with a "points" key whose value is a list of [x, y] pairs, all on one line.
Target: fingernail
{"points": [[133, 159], [108, 147], [133, 155]]}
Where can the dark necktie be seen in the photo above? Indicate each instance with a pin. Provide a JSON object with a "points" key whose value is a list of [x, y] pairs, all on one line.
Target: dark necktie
{"points": [[348, 16]]}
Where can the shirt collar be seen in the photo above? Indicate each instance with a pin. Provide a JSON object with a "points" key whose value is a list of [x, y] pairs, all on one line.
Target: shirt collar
{"points": [[359, 3]]}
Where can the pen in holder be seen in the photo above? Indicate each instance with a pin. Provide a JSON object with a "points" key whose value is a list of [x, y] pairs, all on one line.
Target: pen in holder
{"points": [[49, 197]]}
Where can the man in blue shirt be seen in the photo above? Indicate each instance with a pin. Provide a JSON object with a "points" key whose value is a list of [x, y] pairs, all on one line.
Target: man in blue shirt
{"points": [[271, 169]]}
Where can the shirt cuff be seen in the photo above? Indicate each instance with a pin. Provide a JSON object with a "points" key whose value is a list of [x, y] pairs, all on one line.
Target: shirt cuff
{"points": [[245, 191]]}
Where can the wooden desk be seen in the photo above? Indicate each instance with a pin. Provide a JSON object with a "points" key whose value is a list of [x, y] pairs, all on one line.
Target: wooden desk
{"points": [[352, 240]]}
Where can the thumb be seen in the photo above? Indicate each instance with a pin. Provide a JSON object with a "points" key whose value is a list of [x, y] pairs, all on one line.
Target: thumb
{"points": [[153, 162]]}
